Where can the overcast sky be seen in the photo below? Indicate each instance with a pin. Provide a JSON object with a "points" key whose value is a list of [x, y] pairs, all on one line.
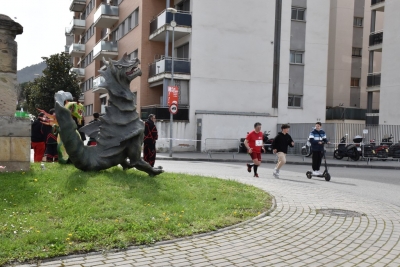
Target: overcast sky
{"points": [[44, 23]]}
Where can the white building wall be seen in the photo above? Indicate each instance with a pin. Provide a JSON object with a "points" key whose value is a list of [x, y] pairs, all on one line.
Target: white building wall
{"points": [[315, 65], [231, 50], [390, 83]]}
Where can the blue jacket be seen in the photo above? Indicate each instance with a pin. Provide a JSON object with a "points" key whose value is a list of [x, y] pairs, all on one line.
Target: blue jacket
{"points": [[315, 137]]}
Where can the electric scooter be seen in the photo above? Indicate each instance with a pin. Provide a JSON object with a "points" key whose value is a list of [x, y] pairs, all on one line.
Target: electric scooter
{"points": [[325, 174]]}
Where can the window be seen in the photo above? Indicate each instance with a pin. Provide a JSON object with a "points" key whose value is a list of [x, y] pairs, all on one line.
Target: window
{"points": [[184, 5], [87, 85], [355, 82], [87, 60], [356, 52], [183, 51], [294, 101], [86, 36], [298, 13], [128, 24], [88, 110], [358, 22], [133, 55], [296, 57]]}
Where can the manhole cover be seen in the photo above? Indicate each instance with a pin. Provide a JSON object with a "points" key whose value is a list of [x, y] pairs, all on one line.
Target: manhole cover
{"points": [[340, 213]]}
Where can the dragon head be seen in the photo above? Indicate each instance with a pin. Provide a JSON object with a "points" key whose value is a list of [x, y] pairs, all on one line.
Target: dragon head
{"points": [[124, 70]]}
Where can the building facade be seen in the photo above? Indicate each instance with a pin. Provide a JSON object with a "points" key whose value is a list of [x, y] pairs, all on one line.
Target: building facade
{"points": [[235, 62], [384, 41]]}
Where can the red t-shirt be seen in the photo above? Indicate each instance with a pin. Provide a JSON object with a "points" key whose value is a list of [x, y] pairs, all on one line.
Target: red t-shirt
{"points": [[255, 141]]}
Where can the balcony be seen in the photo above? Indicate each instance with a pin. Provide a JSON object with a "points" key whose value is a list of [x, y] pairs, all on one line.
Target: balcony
{"points": [[80, 73], [372, 118], [161, 25], [378, 5], [162, 113], [161, 69], [106, 16], [77, 26], [105, 49], [373, 82], [375, 41], [96, 85], [77, 50], [77, 5]]}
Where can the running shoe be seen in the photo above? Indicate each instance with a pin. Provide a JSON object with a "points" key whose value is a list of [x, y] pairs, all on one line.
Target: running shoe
{"points": [[256, 175], [275, 174], [248, 167]]}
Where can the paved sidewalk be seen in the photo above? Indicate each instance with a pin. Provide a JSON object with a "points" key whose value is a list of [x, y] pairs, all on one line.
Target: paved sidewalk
{"points": [[271, 158], [294, 234]]}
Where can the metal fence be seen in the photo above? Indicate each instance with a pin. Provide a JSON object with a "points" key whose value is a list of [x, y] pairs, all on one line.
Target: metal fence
{"points": [[221, 145]]}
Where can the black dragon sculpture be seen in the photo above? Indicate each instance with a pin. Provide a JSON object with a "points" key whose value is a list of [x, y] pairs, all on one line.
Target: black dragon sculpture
{"points": [[119, 133]]}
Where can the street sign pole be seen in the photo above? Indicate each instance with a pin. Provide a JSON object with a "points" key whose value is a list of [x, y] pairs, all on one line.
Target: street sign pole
{"points": [[171, 116]]}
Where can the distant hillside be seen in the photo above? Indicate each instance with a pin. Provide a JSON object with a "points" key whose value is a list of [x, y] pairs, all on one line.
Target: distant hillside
{"points": [[28, 73]]}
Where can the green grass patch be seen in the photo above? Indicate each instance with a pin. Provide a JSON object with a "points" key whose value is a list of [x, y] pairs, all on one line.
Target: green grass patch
{"points": [[61, 210]]}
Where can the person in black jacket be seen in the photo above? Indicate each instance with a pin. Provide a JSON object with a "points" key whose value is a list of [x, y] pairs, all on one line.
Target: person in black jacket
{"points": [[38, 138], [280, 146], [149, 140], [317, 139]]}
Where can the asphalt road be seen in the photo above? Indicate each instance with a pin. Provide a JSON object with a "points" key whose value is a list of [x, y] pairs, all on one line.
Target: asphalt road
{"points": [[374, 184]]}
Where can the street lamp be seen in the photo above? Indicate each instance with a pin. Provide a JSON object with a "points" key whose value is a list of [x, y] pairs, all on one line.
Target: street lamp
{"points": [[171, 119]]}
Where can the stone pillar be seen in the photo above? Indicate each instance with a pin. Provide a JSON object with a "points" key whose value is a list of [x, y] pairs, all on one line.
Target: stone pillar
{"points": [[14, 132]]}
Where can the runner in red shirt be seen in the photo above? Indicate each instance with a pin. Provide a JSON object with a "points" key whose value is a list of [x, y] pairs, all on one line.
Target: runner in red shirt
{"points": [[254, 143]]}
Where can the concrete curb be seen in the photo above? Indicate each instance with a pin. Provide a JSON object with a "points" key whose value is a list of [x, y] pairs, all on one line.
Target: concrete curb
{"points": [[330, 164]]}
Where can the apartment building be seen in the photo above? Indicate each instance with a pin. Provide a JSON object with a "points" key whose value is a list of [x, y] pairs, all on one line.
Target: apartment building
{"points": [[235, 62], [359, 67], [109, 29], [384, 42]]}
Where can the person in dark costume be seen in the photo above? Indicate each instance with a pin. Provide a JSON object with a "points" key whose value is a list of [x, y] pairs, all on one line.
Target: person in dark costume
{"points": [[149, 141], [51, 142], [92, 141]]}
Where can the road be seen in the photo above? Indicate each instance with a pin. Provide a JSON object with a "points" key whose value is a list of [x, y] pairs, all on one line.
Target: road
{"points": [[378, 184]]}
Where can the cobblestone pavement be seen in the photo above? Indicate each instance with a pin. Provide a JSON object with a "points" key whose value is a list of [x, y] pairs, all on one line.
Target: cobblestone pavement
{"points": [[294, 234]]}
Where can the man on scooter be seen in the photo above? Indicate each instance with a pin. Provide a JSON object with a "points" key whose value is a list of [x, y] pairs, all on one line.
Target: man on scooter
{"points": [[317, 139]]}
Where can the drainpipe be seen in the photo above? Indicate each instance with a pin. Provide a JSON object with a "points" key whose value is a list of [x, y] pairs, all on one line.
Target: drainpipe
{"points": [[371, 62], [277, 52], [165, 81]]}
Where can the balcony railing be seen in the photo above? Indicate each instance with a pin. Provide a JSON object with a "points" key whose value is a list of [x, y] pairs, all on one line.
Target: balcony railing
{"points": [[374, 2], [158, 25], [372, 118], [76, 26], [77, 50], [77, 5], [96, 85], [106, 16], [375, 38], [181, 66], [373, 79], [105, 49], [162, 113], [341, 113], [80, 72]]}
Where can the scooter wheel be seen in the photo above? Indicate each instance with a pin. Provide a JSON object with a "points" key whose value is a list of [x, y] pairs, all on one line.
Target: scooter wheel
{"points": [[309, 174], [327, 177]]}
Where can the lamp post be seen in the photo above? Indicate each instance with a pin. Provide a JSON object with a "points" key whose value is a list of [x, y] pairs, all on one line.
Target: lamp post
{"points": [[171, 119]]}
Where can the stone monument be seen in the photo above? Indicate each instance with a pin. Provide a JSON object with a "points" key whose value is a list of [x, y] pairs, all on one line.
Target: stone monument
{"points": [[15, 133]]}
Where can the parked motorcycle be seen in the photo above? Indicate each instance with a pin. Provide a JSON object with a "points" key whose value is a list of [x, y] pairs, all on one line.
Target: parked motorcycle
{"points": [[267, 143], [365, 150], [306, 149], [346, 150], [382, 151]]}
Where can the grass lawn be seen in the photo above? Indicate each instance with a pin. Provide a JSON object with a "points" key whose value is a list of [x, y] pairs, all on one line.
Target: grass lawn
{"points": [[62, 210]]}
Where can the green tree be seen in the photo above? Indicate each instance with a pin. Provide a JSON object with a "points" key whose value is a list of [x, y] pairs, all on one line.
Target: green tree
{"points": [[56, 77]]}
